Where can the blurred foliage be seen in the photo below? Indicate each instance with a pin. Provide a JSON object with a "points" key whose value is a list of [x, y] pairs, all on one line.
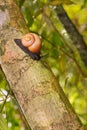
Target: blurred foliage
{"points": [[41, 19], [3, 123]]}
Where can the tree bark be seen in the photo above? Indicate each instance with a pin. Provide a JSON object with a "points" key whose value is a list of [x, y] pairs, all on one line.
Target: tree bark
{"points": [[40, 97]]}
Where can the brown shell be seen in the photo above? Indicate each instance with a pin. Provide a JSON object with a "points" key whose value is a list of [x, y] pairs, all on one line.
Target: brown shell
{"points": [[32, 42]]}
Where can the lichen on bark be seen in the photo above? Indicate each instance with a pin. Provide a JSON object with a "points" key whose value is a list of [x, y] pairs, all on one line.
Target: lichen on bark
{"points": [[42, 101]]}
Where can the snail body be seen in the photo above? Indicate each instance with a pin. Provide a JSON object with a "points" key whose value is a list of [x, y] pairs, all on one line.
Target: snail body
{"points": [[30, 43]]}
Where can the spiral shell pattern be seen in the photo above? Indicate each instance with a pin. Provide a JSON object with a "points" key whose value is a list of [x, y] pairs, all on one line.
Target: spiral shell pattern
{"points": [[32, 42]]}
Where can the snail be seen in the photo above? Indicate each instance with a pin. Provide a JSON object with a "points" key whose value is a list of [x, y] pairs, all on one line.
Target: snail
{"points": [[31, 44]]}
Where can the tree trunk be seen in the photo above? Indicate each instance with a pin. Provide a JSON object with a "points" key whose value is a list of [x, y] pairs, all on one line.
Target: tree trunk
{"points": [[40, 97]]}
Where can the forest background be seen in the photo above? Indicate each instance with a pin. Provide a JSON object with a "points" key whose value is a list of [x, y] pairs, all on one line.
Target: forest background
{"points": [[58, 51]]}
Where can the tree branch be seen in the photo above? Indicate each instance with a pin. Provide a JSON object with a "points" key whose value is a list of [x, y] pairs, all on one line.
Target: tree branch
{"points": [[41, 99], [77, 39]]}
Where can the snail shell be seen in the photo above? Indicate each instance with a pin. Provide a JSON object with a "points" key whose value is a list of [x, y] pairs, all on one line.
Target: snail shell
{"points": [[32, 42]]}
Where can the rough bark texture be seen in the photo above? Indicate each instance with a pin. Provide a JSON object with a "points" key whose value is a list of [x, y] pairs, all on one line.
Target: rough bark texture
{"points": [[41, 99]]}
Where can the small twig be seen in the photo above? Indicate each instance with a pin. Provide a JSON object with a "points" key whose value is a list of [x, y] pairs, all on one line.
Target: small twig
{"points": [[75, 63], [48, 20], [70, 56], [68, 47], [4, 102]]}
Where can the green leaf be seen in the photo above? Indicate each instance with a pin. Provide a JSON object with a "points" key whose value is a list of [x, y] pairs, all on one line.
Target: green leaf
{"points": [[56, 39], [3, 123]]}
